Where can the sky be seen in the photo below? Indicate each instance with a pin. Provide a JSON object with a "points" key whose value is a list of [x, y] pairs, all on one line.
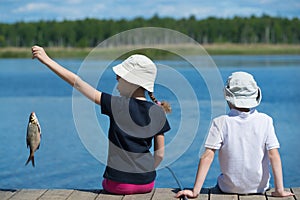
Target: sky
{"points": [[35, 10]]}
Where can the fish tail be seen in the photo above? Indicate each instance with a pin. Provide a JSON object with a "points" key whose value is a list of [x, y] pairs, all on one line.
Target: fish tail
{"points": [[30, 158]]}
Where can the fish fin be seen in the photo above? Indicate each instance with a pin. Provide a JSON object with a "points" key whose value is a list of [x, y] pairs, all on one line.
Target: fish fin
{"points": [[39, 127], [27, 142]]}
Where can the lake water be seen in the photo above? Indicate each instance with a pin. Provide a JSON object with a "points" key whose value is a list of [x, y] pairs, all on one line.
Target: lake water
{"points": [[69, 159]]}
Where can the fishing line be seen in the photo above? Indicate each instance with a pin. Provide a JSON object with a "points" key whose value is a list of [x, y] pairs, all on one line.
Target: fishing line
{"points": [[178, 182]]}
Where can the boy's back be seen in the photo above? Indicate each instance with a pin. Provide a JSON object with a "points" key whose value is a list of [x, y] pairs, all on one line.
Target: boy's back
{"points": [[243, 139], [246, 142]]}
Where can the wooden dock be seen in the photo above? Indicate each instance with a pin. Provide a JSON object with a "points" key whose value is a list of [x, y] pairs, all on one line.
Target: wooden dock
{"points": [[156, 194]]}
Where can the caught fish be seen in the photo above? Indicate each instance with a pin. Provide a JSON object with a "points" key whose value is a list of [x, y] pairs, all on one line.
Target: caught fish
{"points": [[33, 137]]}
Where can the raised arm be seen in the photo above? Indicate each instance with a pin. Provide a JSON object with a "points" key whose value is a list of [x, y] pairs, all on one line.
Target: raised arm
{"points": [[203, 167], [277, 172], [71, 78]]}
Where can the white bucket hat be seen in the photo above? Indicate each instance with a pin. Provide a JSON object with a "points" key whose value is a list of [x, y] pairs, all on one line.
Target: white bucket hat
{"points": [[242, 91], [138, 70]]}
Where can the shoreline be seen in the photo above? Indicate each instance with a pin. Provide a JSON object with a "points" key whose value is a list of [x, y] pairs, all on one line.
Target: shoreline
{"points": [[159, 51]]}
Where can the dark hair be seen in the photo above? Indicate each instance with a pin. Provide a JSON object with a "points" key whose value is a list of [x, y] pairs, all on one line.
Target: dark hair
{"points": [[165, 105]]}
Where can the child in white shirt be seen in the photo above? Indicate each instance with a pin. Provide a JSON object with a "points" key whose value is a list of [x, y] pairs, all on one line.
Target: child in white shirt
{"points": [[246, 142]]}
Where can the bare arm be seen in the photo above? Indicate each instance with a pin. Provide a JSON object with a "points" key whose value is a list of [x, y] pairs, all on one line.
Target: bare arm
{"points": [[68, 76], [277, 172], [159, 150], [203, 167]]}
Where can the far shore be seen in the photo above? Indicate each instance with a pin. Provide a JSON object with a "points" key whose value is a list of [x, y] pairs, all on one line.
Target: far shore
{"points": [[157, 51]]}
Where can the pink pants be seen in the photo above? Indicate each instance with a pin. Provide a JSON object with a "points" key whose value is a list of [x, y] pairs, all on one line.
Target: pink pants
{"points": [[126, 188]]}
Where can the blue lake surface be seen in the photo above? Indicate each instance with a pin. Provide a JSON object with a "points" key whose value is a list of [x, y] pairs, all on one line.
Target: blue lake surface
{"points": [[64, 160]]}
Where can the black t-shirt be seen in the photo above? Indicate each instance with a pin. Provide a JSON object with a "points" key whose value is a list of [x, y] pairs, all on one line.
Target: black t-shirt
{"points": [[133, 124]]}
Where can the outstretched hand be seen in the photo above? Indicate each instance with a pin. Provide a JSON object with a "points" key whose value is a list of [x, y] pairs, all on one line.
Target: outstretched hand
{"points": [[187, 193], [39, 53]]}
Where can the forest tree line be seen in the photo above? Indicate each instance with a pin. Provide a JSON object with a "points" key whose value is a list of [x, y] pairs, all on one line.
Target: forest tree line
{"points": [[90, 32]]}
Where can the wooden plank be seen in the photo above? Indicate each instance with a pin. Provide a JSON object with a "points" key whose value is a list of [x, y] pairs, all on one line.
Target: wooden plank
{"points": [[217, 194], [252, 197], [6, 194], [296, 191], [105, 196], [28, 194], [204, 194], [223, 197], [56, 194], [146, 196], [164, 193], [83, 194], [156, 194], [278, 198]]}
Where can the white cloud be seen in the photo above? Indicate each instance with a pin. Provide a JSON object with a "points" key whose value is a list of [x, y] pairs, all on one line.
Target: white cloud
{"points": [[74, 1], [98, 8], [32, 7], [16, 10], [169, 10]]}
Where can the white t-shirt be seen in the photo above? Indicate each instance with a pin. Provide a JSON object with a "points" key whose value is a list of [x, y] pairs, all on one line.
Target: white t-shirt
{"points": [[243, 139]]}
